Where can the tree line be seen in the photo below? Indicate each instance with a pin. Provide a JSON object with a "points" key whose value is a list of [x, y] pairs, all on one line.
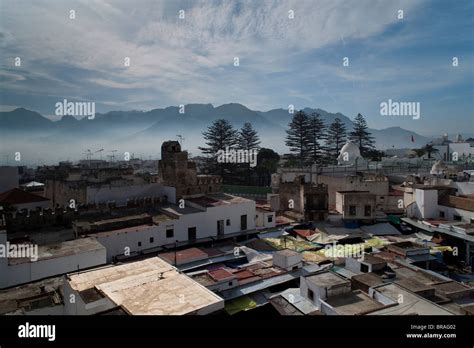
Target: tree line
{"points": [[220, 136], [308, 138], [311, 141]]}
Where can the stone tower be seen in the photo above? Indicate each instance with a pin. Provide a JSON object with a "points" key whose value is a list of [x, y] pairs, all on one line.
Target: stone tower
{"points": [[176, 171]]}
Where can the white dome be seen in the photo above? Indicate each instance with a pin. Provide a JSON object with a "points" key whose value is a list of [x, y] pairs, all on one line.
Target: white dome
{"points": [[438, 168], [348, 153]]}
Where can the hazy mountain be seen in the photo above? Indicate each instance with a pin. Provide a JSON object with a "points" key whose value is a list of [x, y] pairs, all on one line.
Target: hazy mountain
{"points": [[396, 137], [23, 119], [141, 132]]}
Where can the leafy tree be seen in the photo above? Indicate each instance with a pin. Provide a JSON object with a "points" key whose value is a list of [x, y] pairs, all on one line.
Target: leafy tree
{"points": [[267, 163], [418, 152], [297, 138], [362, 136], [317, 136], [374, 155], [429, 149], [337, 137]]}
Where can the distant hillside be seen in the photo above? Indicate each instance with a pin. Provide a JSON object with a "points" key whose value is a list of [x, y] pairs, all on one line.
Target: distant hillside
{"points": [[142, 132]]}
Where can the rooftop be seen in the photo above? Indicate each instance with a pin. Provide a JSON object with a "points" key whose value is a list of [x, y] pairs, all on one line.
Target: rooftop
{"points": [[221, 274], [162, 290], [58, 250], [459, 202], [373, 260], [327, 279], [370, 279], [453, 288], [177, 211], [184, 256], [413, 285], [287, 252], [412, 304], [353, 303], [30, 296], [381, 229], [217, 199], [17, 196]]}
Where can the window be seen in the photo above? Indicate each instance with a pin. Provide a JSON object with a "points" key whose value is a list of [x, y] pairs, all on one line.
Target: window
{"points": [[270, 218], [227, 222], [169, 233], [364, 268], [441, 214], [311, 294], [367, 210], [230, 283], [457, 217], [152, 240], [352, 210], [139, 244]]}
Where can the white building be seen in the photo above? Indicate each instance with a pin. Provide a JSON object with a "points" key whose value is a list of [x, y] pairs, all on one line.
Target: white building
{"points": [[216, 216], [356, 205], [38, 262], [332, 295], [368, 263], [427, 205], [349, 154], [265, 218], [318, 287], [454, 151], [287, 259]]}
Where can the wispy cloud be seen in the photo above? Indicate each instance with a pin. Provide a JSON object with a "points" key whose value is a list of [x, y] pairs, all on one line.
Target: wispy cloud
{"points": [[175, 61]]}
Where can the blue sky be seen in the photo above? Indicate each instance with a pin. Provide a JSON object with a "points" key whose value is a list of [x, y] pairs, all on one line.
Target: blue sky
{"points": [[282, 61]]}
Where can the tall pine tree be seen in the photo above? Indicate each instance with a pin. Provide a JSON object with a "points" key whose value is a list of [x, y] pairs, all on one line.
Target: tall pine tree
{"points": [[297, 138], [317, 137], [337, 137], [220, 135], [248, 141], [361, 136], [248, 138]]}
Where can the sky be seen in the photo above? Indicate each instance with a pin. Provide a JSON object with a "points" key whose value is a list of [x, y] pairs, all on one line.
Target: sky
{"points": [[282, 60]]}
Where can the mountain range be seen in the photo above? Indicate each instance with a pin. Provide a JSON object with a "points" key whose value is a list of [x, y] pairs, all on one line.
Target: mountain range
{"points": [[141, 132]]}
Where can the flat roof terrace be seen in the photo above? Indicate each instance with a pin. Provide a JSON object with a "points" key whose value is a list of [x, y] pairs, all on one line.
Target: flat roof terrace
{"points": [[327, 280], [58, 250], [353, 303], [217, 199], [149, 287]]}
